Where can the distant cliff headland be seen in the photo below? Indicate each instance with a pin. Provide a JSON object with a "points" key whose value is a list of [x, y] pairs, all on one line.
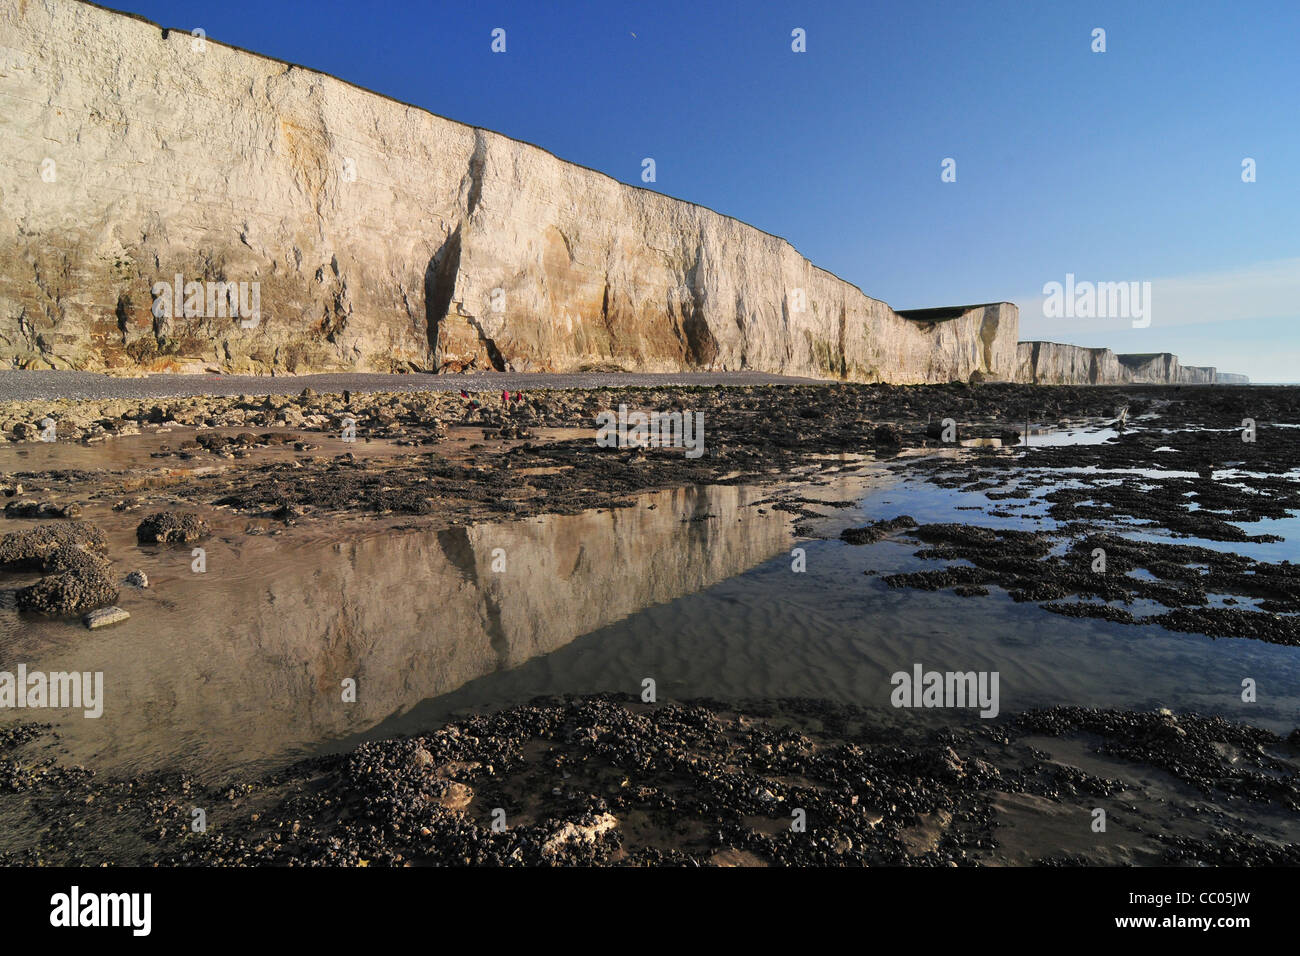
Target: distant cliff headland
{"points": [[1047, 363], [174, 204]]}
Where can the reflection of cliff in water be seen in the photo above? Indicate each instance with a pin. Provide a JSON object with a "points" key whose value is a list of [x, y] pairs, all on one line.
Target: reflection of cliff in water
{"points": [[245, 662]]}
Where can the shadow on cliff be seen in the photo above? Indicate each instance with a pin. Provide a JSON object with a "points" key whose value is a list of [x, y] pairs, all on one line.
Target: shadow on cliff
{"points": [[439, 290], [439, 284], [701, 348]]}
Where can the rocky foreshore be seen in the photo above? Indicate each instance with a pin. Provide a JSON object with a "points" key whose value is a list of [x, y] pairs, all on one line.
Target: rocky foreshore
{"points": [[611, 781]]}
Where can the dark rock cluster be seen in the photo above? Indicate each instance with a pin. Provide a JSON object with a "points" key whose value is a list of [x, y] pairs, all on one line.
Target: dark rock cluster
{"points": [[167, 527], [73, 558], [607, 780]]}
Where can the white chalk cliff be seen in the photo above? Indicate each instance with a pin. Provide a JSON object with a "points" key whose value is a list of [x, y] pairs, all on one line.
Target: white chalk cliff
{"points": [[380, 236], [1050, 363]]}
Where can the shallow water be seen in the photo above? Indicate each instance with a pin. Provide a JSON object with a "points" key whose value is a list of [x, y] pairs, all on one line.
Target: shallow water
{"points": [[241, 667], [835, 632]]}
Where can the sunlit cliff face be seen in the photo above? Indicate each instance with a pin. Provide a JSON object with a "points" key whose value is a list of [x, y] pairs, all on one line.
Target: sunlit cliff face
{"points": [[380, 237]]}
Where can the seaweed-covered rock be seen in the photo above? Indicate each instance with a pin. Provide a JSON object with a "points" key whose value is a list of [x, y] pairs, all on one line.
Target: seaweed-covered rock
{"points": [[42, 509], [166, 527], [876, 530], [887, 435], [74, 558], [31, 547], [71, 592]]}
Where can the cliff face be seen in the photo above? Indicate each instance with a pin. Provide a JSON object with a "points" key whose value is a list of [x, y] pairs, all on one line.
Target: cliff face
{"points": [[1156, 368], [1164, 368], [1198, 375], [1049, 363], [379, 237]]}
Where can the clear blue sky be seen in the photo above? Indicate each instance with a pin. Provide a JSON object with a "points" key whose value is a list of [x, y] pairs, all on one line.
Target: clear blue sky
{"points": [[1115, 166]]}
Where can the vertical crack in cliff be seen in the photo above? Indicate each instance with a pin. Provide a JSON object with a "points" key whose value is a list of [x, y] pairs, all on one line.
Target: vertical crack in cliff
{"points": [[605, 317], [123, 314], [439, 287], [477, 160], [788, 339], [701, 346], [988, 335], [493, 353], [843, 350], [448, 349], [740, 326], [337, 308]]}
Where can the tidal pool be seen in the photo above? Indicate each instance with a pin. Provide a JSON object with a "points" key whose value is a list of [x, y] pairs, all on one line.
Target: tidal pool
{"points": [[246, 666]]}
